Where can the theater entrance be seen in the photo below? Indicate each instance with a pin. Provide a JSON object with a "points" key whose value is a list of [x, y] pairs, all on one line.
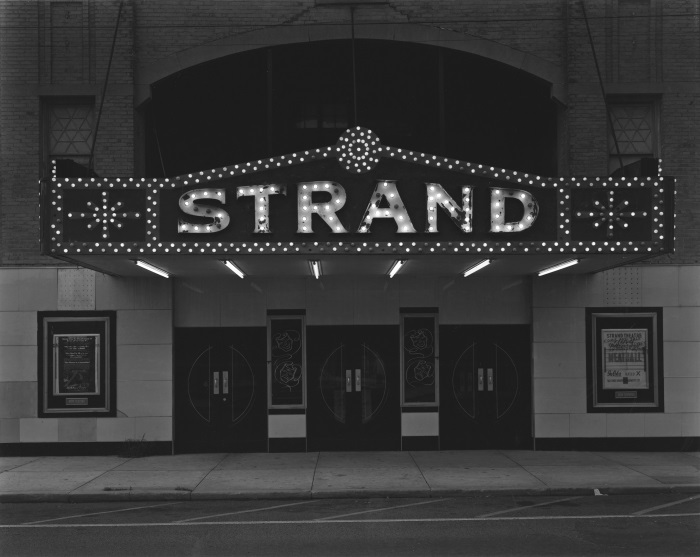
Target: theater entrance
{"points": [[220, 393], [353, 390], [485, 394]]}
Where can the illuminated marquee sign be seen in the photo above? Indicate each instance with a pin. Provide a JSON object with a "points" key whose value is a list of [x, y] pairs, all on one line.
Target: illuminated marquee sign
{"points": [[385, 203], [357, 196]]}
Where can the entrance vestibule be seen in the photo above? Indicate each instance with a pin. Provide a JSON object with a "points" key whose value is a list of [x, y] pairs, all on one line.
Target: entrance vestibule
{"points": [[352, 380]]}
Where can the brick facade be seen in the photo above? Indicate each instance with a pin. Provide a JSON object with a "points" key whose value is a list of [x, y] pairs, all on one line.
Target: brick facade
{"points": [[643, 46]]}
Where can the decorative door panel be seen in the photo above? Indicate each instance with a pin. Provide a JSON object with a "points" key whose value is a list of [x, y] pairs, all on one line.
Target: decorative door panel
{"points": [[220, 390], [485, 399], [353, 388]]}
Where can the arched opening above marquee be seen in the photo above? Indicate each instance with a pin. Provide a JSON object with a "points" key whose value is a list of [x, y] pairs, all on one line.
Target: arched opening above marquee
{"points": [[282, 99], [150, 71]]}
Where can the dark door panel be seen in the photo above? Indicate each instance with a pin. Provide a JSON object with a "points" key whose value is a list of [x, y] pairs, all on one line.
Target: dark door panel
{"points": [[220, 402], [353, 388], [485, 398]]}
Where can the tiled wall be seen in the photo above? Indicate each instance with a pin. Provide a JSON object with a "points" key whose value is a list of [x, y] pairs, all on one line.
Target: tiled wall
{"points": [[559, 350], [144, 354]]}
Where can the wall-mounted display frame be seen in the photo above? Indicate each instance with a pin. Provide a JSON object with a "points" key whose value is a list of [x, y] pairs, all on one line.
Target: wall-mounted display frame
{"points": [[286, 359], [419, 357], [624, 359], [77, 363]]}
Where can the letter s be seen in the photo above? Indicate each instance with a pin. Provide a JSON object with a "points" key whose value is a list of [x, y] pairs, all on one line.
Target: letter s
{"points": [[218, 217]]}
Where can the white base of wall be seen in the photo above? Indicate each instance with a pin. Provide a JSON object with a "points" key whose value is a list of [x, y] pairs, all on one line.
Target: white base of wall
{"points": [[280, 426], [419, 424]]}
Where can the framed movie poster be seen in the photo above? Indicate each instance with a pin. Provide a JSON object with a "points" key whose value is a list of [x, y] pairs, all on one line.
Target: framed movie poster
{"points": [[286, 360], [419, 358], [77, 364], [624, 359]]}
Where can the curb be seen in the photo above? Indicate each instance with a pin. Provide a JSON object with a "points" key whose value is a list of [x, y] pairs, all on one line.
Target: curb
{"points": [[183, 495]]}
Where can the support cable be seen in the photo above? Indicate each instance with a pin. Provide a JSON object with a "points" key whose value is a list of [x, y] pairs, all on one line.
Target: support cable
{"points": [[354, 74], [602, 88], [104, 89]]}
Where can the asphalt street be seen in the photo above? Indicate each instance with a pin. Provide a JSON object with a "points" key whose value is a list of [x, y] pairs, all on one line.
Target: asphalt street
{"points": [[641, 524]]}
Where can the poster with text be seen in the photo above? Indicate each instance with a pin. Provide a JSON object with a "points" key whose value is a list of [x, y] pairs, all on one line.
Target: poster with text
{"points": [[76, 364], [625, 359]]}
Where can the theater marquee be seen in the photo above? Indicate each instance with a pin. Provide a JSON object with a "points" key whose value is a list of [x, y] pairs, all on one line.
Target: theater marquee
{"points": [[357, 196]]}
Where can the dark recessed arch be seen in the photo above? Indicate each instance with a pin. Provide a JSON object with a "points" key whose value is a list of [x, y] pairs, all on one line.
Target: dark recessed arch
{"points": [[152, 70], [282, 99]]}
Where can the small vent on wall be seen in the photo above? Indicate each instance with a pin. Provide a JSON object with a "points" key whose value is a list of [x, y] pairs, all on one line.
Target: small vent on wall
{"points": [[76, 289], [623, 287]]}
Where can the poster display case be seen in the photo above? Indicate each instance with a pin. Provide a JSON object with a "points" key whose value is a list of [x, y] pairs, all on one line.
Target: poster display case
{"points": [[77, 364], [624, 359]]}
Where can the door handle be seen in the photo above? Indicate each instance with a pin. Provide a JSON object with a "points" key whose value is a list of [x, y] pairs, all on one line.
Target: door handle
{"points": [[358, 380], [224, 381], [489, 373], [216, 382], [480, 379], [348, 380]]}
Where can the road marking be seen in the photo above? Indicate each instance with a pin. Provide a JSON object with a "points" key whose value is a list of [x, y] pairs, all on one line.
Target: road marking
{"points": [[347, 521], [101, 512], [666, 505], [381, 510], [514, 509], [245, 511]]}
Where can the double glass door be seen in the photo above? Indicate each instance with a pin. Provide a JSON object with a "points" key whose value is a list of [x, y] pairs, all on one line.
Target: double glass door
{"points": [[220, 402], [485, 387], [353, 388]]}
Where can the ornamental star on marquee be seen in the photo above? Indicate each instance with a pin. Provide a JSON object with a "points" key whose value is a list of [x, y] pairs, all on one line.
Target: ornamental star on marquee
{"points": [[104, 215], [611, 214]]}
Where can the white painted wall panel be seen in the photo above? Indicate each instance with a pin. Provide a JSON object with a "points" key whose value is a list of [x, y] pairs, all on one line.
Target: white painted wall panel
{"points": [[558, 324], [153, 428], [38, 430], [551, 425], [682, 324], [625, 425], [18, 363], [588, 425], [559, 359], [416, 424], [560, 396], [145, 362], [115, 429], [144, 398], [144, 327], [280, 426], [18, 328], [660, 286], [663, 425]]}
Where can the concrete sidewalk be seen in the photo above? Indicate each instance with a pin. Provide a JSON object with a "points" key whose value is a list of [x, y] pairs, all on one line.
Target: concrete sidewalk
{"points": [[344, 474]]}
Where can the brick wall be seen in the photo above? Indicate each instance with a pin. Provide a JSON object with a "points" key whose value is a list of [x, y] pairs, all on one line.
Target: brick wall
{"points": [[29, 71]]}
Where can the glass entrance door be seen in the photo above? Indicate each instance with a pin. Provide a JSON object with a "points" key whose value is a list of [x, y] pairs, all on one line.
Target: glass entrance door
{"points": [[485, 392], [353, 388], [220, 403]]}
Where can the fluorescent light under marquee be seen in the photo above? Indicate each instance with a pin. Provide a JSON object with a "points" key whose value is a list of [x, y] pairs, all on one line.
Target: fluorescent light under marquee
{"points": [[315, 268], [477, 267], [152, 268], [233, 268], [558, 267], [396, 267]]}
